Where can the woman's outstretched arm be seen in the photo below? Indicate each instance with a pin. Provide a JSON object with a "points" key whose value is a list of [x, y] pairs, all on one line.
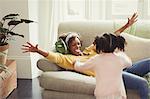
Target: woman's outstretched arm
{"points": [[28, 47], [130, 22]]}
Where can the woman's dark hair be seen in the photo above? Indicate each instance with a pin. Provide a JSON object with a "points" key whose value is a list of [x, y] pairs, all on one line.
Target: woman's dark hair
{"points": [[63, 36], [72, 37], [108, 42]]}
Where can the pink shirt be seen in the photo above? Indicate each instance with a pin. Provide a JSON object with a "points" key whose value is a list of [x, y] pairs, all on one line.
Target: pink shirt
{"points": [[108, 69]]}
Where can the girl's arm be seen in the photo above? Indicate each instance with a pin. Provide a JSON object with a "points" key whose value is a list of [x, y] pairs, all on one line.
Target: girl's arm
{"points": [[130, 22], [125, 59], [82, 66]]}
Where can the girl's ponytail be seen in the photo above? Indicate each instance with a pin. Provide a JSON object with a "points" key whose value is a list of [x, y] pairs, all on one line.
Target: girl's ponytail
{"points": [[121, 42]]}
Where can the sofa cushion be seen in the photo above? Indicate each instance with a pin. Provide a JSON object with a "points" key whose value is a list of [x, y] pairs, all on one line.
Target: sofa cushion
{"points": [[45, 65], [67, 81], [47, 94], [137, 48], [72, 83]]}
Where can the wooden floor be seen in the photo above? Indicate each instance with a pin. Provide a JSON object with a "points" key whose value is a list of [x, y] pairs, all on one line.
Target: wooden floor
{"points": [[27, 89]]}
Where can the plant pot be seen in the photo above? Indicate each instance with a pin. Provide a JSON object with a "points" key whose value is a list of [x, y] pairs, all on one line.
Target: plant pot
{"points": [[3, 54]]}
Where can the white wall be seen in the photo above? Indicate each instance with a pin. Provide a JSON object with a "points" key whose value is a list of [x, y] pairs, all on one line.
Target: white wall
{"points": [[26, 63], [33, 8]]}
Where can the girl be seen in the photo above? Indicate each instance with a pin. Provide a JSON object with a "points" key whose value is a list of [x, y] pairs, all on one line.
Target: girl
{"points": [[108, 66]]}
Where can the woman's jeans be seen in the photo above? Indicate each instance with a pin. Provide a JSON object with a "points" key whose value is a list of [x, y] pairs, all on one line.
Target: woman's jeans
{"points": [[133, 77]]}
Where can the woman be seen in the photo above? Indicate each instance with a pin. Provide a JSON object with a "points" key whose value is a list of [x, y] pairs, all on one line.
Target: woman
{"points": [[132, 76]]}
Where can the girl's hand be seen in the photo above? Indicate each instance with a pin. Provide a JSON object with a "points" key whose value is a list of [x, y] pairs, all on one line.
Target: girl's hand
{"points": [[30, 48]]}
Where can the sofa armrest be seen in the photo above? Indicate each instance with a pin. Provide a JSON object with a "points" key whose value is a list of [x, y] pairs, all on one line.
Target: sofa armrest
{"points": [[45, 65], [137, 48]]}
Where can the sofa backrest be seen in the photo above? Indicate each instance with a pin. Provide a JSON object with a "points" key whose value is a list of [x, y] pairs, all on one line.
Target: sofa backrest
{"points": [[137, 47], [87, 30]]}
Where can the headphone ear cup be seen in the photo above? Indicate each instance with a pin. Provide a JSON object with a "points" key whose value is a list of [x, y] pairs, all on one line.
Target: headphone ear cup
{"points": [[61, 47]]}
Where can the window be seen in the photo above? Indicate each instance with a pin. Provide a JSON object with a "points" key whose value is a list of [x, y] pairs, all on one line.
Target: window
{"points": [[83, 9], [120, 8], [149, 8], [75, 9], [125, 7], [105, 9]]}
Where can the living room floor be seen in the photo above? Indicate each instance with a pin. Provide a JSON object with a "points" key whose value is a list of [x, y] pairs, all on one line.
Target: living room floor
{"points": [[27, 89]]}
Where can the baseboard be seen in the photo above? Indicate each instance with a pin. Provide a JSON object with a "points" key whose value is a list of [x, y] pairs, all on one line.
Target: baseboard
{"points": [[26, 69]]}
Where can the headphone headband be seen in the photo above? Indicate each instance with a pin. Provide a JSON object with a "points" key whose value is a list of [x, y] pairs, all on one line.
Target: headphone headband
{"points": [[70, 35]]}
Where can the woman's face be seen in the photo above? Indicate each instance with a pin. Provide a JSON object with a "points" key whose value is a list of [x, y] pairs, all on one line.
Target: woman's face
{"points": [[75, 46]]}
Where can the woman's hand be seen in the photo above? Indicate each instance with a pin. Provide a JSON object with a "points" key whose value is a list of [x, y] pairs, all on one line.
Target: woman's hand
{"points": [[130, 22], [30, 48]]}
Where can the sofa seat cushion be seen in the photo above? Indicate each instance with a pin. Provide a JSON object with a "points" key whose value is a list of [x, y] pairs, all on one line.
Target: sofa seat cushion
{"points": [[47, 94], [67, 81]]}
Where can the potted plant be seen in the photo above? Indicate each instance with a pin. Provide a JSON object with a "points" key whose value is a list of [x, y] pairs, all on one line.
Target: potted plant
{"points": [[7, 24]]}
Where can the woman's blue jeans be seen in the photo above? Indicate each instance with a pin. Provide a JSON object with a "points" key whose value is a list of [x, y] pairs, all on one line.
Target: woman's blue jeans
{"points": [[133, 77]]}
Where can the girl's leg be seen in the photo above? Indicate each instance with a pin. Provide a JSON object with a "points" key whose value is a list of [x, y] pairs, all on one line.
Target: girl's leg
{"points": [[135, 82], [140, 68]]}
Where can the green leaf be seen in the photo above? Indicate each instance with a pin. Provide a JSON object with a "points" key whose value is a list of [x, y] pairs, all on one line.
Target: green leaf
{"points": [[3, 53], [13, 22], [10, 16], [4, 68], [3, 30], [1, 24], [2, 77], [26, 21], [12, 33]]}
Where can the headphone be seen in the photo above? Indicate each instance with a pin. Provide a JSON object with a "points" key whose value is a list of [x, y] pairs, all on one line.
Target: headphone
{"points": [[62, 46]]}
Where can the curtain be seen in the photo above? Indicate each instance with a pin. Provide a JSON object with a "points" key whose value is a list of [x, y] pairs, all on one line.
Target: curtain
{"points": [[50, 15], [56, 17]]}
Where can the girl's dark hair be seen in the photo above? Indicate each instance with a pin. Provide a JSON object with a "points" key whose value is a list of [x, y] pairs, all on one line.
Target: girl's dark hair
{"points": [[121, 42], [108, 42]]}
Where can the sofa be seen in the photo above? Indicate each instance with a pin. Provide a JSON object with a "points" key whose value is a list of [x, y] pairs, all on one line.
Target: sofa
{"points": [[58, 83]]}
